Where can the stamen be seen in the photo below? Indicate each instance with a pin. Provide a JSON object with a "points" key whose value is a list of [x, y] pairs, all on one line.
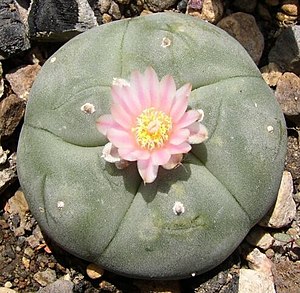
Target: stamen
{"points": [[152, 128]]}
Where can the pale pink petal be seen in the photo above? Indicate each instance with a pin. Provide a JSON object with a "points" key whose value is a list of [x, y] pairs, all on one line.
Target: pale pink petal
{"points": [[198, 134], [180, 102], [179, 136], [110, 153], [139, 88], [201, 117], [187, 119], [179, 149], [160, 156], [153, 86], [167, 93], [147, 170], [123, 96], [133, 154], [121, 116], [174, 162], [120, 138], [104, 123]]}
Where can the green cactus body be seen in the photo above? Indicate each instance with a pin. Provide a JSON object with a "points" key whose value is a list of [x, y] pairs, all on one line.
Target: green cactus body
{"points": [[108, 216]]}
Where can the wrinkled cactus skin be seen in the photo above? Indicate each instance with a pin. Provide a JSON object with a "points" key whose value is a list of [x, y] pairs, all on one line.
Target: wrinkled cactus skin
{"points": [[108, 216]]}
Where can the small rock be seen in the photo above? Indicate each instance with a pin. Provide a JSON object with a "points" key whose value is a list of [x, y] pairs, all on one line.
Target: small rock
{"points": [[29, 252], [211, 10], [94, 271], [285, 20], [8, 175], [288, 93], [26, 262], [260, 238], [62, 286], [158, 5], [259, 262], [290, 7], [251, 281], [270, 253], [271, 73], [123, 2], [245, 5], [33, 241], [13, 34], [3, 155], [17, 204], [12, 110], [287, 57], [114, 11], [8, 284], [243, 27], [45, 278], [22, 78], [106, 18], [104, 5], [284, 210]]}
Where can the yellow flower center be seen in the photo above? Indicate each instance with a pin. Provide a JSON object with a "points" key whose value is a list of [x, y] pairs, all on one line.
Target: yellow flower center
{"points": [[152, 128]]}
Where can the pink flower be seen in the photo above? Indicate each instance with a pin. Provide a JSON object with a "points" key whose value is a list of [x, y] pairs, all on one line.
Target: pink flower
{"points": [[149, 123]]}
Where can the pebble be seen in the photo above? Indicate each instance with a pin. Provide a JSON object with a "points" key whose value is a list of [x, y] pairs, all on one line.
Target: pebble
{"points": [[12, 110], [284, 210], [259, 262], [3, 155], [271, 74], [62, 286], [9, 174], [45, 278], [288, 93], [251, 281], [114, 11], [211, 10], [106, 18], [104, 5], [158, 5], [287, 57], [290, 7], [243, 27], [285, 20], [94, 271], [260, 238], [22, 78], [245, 5]]}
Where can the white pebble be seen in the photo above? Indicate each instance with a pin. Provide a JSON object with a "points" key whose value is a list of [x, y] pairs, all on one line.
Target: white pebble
{"points": [[88, 108], [178, 208]]}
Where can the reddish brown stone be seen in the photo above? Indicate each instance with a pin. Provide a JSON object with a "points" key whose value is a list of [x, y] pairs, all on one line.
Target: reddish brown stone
{"points": [[22, 79], [12, 111]]}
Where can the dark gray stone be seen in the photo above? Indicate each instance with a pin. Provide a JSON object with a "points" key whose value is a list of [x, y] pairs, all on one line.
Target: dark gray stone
{"points": [[285, 53], [60, 20], [13, 35]]}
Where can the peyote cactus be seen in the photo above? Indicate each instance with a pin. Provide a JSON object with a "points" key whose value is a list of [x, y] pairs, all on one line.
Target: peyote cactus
{"points": [[191, 217]]}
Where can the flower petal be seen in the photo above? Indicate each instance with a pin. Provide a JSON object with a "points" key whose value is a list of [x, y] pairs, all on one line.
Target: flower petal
{"points": [[174, 162], [187, 119], [180, 102], [153, 86], [133, 154], [139, 88], [179, 136], [167, 93], [198, 134], [120, 137], [182, 148], [123, 96], [121, 116], [104, 123], [160, 156], [147, 170], [110, 153]]}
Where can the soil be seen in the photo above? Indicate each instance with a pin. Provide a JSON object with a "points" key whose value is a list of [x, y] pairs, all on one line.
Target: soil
{"points": [[26, 253]]}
